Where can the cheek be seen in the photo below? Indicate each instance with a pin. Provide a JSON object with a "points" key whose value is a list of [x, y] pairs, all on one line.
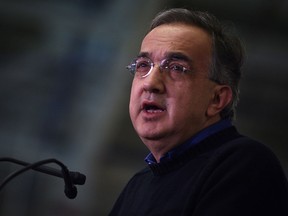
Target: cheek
{"points": [[133, 100], [135, 87], [131, 105], [191, 101]]}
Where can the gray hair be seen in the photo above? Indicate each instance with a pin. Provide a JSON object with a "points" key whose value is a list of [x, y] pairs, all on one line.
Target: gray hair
{"points": [[228, 52]]}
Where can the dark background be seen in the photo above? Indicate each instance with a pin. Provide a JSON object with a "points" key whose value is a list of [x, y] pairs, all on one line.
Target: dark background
{"points": [[64, 92]]}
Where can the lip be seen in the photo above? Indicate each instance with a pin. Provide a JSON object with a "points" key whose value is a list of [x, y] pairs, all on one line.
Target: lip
{"points": [[152, 108]]}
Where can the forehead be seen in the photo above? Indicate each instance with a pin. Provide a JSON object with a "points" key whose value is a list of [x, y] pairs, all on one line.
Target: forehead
{"points": [[189, 40]]}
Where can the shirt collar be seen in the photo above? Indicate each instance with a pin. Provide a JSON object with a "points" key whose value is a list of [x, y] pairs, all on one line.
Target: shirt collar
{"points": [[203, 134]]}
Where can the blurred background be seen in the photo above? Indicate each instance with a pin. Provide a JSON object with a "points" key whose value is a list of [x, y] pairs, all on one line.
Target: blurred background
{"points": [[64, 92]]}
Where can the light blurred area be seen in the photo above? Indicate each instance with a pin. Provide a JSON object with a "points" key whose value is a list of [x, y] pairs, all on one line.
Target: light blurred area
{"points": [[64, 93]]}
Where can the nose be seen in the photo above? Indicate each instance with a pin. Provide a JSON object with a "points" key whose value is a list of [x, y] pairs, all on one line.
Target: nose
{"points": [[154, 82]]}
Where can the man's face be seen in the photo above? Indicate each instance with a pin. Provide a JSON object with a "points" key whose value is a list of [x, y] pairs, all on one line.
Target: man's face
{"points": [[166, 109]]}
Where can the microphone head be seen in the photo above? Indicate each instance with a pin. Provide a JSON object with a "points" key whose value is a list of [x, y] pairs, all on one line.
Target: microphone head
{"points": [[77, 178], [70, 192]]}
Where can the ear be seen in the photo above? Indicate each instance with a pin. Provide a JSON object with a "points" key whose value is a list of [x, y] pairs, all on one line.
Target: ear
{"points": [[221, 98]]}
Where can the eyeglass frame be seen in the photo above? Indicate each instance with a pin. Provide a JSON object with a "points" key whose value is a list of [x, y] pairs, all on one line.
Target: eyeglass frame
{"points": [[163, 66]]}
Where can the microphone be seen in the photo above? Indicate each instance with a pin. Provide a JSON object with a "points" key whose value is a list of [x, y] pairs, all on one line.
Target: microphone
{"points": [[70, 178]]}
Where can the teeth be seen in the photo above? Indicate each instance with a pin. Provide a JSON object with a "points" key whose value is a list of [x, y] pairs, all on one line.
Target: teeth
{"points": [[154, 110]]}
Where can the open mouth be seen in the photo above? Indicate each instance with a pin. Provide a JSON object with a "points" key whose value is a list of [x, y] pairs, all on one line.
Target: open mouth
{"points": [[151, 108]]}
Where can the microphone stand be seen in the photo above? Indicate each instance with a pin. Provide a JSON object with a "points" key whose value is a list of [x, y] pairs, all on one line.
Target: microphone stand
{"points": [[70, 178]]}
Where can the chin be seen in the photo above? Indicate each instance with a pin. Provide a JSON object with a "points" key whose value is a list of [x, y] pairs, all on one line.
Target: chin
{"points": [[151, 135]]}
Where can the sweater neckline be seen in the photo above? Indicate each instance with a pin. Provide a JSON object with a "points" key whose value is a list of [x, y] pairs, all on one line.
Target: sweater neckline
{"points": [[205, 145]]}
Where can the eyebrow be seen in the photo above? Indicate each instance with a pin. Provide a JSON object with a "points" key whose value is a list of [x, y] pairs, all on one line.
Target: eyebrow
{"points": [[179, 56], [143, 54], [173, 55]]}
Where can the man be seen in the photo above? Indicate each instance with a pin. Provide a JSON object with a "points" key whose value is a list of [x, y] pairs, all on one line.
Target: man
{"points": [[183, 98]]}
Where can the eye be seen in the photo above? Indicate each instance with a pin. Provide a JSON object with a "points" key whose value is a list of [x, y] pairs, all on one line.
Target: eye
{"points": [[140, 66], [143, 65], [177, 67]]}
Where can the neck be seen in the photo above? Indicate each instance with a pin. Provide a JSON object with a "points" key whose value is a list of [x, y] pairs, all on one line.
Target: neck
{"points": [[160, 146]]}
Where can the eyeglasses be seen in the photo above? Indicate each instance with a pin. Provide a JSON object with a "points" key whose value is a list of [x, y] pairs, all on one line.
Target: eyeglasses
{"points": [[141, 67]]}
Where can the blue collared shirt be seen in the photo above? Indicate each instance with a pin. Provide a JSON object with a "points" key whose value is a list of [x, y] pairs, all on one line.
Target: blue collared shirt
{"points": [[212, 129]]}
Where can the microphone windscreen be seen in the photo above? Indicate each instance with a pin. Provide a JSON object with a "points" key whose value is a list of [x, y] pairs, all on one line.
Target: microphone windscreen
{"points": [[77, 178]]}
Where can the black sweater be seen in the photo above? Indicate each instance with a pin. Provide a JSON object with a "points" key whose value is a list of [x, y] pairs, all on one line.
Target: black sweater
{"points": [[226, 174]]}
